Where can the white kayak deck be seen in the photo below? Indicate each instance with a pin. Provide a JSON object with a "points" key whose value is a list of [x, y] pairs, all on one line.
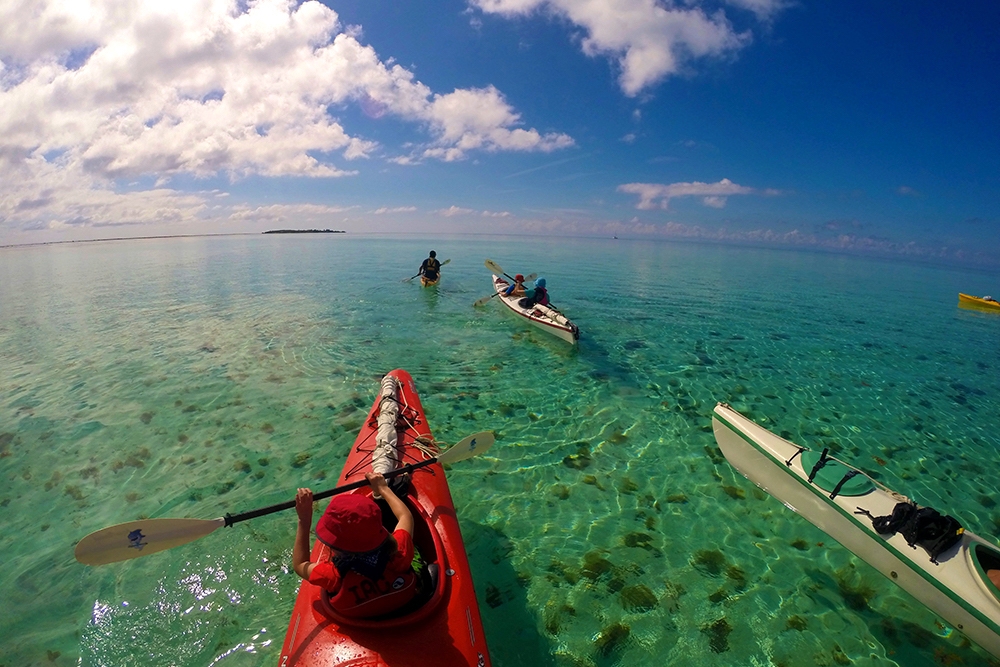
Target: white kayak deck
{"points": [[955, 587], [546, 318]]}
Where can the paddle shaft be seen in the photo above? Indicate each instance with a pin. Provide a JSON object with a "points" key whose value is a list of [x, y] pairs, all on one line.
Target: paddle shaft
{"points": [[485, 299], [480, 302], [148, 536], [280, 507], [406, 280], [527, 278]]}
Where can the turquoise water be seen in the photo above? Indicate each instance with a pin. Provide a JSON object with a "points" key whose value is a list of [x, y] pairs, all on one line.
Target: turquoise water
{"points": [[194, 377]]}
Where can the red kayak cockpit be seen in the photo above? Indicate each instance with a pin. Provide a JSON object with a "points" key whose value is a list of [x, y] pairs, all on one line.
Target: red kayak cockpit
{"points": [[429, 567]]}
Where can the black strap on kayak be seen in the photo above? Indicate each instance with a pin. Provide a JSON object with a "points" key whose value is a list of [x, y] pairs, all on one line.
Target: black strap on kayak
{"points": [[383, 399], [840, 484], [792, 458], [823, 458]]}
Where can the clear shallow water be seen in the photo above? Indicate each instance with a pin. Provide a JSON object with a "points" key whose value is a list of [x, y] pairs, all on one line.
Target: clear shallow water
{"points": [[191, 377]]}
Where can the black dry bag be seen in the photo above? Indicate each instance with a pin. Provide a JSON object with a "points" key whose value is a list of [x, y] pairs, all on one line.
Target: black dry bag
{"points": [[925, 526]]}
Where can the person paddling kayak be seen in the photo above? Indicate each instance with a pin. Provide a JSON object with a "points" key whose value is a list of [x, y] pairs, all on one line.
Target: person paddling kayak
{"points": [[537, 295], [517, 288], [370, 573], [431, 268]]}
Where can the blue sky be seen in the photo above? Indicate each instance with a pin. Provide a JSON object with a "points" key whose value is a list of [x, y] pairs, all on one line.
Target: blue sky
{"points": [[842, 126]]}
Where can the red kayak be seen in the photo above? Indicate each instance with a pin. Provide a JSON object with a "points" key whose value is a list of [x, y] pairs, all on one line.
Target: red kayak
{"points": [[442, 627]]}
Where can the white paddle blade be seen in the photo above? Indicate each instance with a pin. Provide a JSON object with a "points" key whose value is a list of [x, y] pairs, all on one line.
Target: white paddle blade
{"points": [[141, 538], [445, 262], [473, 445], [483, 301], [494, 267], [530, 277]]}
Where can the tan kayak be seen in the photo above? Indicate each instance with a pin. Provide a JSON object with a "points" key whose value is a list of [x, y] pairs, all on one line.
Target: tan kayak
{"points": [[830, 494]]}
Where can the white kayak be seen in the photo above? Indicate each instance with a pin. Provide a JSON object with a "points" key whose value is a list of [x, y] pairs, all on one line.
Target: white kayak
{"points": [[546, 318], [955, 586]]}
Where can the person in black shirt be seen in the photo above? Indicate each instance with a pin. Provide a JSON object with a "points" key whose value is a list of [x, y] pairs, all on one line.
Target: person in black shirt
{"points": [[431, 268]]}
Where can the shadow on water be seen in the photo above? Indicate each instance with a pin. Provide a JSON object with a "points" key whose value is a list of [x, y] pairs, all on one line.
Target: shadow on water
{"points": [[905, 642], [430, 296], [601, 366], [511, 628], [975, 307]]}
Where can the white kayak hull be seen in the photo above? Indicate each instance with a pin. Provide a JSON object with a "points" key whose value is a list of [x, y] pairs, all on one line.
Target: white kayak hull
{"points": [[545, 318], [956, 587]]}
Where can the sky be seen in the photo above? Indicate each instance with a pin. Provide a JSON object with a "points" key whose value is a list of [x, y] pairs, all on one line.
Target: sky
{"points": [[843, 126]]}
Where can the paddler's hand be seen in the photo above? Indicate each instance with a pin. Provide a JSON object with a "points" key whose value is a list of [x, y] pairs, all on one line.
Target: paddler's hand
{"points": [[404, 519], [304, 506], [377, 482]]}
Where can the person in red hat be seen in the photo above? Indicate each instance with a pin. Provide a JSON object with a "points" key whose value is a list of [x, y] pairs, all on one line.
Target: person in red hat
{"points": [[517, 289], [368, 572]]}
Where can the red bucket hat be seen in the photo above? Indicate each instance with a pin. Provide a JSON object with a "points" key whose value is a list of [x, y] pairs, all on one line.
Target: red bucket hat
{"points": [[352, 522], [519, 277]]}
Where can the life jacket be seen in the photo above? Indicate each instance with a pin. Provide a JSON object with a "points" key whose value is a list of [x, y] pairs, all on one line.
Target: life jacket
{"points": [[431, 267], [361, 597], [541, 296], [369, 585]]}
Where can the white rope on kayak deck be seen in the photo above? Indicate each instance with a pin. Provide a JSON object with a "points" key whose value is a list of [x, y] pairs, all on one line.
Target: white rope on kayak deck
{"points": [[386, 457]]}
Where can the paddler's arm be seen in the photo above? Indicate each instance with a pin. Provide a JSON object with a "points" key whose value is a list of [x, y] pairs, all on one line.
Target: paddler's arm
{"points": [[300, 552], [404, 520]]}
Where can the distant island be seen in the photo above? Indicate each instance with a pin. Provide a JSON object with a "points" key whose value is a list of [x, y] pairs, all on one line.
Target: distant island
{"points": [[305, 231]]}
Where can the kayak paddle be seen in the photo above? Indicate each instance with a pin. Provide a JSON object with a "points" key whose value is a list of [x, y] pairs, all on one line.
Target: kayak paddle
{"points": [[482, 301], [495, 268], [148, 536], [406, 280]]}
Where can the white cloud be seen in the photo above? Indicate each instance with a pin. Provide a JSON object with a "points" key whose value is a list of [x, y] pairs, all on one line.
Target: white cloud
{"points": [[37, 194], [654, 195], [195, 88], [763, 9], [97, 91], [455, 210], [398, 209], [907, 191], [831, 240], [480, 119], [298, 214], [649, 40]]}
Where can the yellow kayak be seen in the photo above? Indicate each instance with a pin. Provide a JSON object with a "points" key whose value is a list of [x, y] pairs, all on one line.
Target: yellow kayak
{"points": [[427, 283], [983, 301]]}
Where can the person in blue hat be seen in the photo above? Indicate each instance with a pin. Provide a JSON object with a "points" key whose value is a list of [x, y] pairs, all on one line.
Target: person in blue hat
{"points": [[535, 296]]}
